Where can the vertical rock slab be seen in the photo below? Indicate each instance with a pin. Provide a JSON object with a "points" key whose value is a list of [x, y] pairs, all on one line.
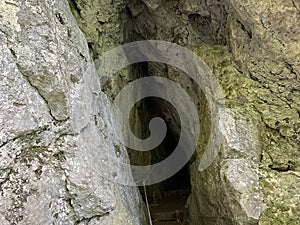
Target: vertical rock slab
{"points": [[255, 178], [56, 127], [264, 39]]}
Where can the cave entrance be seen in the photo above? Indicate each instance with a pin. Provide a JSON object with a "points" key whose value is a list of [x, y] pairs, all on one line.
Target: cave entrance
{"points": [[169, 206], [179, 184], [168, 199]]}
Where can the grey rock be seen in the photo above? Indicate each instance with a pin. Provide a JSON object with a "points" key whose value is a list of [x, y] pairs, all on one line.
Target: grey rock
{"points": [[56, 125], [57, 136]]}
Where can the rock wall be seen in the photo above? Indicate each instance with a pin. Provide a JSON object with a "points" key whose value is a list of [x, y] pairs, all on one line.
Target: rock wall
{"points": [[56, 129], [264, 40], [56, 126], [253, 50]]}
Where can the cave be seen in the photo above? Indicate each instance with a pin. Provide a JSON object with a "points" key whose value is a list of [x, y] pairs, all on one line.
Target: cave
{"points": [[167, 200], [63, 159]]}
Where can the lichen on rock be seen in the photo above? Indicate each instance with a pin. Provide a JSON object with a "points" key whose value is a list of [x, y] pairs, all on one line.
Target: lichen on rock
{"points": [[57, 132], [54, 120]]}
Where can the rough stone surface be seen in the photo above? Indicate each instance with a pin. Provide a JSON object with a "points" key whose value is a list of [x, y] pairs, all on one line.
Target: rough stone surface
{"points": [[52, 125], [101, 22], [255, 178], [56, 130]]}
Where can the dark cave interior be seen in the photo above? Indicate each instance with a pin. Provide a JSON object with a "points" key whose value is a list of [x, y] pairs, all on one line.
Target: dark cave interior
{"points": [[179, 183]]}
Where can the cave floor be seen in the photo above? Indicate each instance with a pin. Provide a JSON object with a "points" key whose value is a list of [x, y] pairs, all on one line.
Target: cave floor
{"points": [[171, 210]]}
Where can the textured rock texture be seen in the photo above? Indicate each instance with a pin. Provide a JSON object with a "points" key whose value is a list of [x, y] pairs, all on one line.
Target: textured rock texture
{"points": [[264, 40], [56, 130], [253, 49]]}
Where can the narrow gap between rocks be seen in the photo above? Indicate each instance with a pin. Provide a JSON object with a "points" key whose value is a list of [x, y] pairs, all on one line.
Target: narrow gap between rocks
{"points": [[168, 199]]}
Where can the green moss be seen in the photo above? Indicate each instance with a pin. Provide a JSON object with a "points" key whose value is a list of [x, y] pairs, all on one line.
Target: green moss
{"points": [[278, 128], [100, 22], [218, 59], [36, 150], [60, 155], [117, 149]]}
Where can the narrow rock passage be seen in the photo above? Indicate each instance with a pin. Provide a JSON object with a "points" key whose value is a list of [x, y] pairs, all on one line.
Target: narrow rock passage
{"points": [[171, 210]]}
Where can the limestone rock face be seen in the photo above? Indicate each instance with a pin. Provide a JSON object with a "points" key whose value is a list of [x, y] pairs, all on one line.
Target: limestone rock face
{"points": [[57, 135], [56, 130], [253, 50], [229, 190], [264, 40]]}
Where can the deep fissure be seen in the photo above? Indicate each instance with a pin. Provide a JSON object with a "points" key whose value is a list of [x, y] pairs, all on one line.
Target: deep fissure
{"points": [[174, 190], [168, 199], [63, 147], [215, 31]]}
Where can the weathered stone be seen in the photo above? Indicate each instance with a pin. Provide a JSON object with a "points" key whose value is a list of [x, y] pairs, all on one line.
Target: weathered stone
{"points": [[56, 125], [57, 135], [260, 80]]}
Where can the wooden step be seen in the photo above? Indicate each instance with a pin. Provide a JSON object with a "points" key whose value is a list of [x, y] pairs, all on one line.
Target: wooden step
{"points": [[179, 214], [169, 204], [171, 210], [170, 222], [166, 223], [181, 192]]}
